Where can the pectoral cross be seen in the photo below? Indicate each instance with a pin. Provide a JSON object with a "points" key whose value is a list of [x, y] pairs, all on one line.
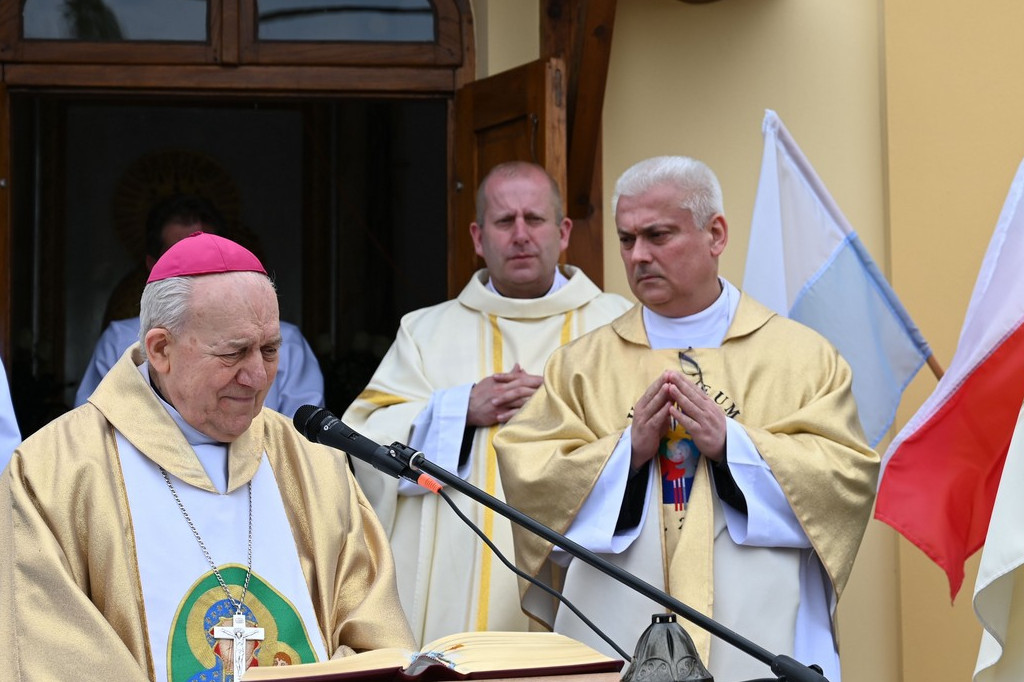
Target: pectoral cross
{"points": [[240, 634]]}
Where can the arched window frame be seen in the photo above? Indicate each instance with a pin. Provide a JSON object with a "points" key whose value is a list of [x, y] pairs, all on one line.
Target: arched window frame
{"points": [[232, 41]]}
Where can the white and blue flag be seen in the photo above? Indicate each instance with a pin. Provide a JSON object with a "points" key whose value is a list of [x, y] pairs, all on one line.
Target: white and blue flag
{"points": [[806, 262]]}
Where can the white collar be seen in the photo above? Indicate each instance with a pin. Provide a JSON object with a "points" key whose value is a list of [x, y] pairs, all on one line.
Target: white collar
{"points": [[212, 454], [704, 329], [560, 281]]}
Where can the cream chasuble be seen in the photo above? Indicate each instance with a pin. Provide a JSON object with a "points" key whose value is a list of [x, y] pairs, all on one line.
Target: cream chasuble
{"points": [[448, 579], [786, 387], [76, 597]]}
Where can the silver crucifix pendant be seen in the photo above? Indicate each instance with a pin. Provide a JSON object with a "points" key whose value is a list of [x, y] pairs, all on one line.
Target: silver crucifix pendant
{"points": [[240, 635]]}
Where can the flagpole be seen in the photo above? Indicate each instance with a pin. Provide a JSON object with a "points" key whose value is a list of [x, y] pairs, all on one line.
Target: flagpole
{"points": [[935, 367]]}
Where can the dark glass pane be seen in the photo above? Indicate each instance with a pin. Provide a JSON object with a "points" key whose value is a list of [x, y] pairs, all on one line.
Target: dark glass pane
{"points": [[115, 20], [344, 200], [404, 21]]}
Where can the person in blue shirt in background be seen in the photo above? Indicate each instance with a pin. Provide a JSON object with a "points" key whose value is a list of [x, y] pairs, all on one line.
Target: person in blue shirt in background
{"points": [[10, 435], [299, 379]]}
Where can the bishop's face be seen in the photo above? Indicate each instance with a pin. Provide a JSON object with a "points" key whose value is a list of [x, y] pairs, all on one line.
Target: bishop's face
{"points": [[217, 371]]}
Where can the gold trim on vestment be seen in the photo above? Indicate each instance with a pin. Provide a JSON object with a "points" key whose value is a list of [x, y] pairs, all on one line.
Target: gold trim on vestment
{"points": [[381, 399]]}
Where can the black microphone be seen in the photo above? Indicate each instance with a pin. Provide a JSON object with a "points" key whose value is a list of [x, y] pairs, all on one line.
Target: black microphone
{"points": [[320, 426]]}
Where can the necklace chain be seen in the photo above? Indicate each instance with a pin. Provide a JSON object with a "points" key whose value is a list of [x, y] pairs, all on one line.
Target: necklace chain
{"points": [[248, 573]]}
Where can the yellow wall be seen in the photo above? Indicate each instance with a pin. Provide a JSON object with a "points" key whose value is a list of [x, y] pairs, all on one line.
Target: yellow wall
{"points": [[696, 79], [911, 114], [507, 34], [955, 95]]}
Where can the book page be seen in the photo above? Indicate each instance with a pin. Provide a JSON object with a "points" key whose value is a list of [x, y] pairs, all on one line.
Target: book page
{"points": [[473, 654], [470, 652], [392, 659]]}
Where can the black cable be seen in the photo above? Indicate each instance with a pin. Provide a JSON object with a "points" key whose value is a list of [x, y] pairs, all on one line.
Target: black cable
{"points": [[512, 567]]}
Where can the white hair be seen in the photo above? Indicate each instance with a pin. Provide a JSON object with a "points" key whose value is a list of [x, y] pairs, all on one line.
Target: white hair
{"points": [[702, 194], [167, 303]]}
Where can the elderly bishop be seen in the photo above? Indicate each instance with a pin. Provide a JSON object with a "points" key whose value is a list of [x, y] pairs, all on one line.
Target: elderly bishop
{"points": [[172, 528]]}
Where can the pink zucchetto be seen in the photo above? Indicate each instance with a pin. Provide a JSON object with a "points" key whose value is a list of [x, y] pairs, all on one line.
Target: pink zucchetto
{"points": [[202, 253]]}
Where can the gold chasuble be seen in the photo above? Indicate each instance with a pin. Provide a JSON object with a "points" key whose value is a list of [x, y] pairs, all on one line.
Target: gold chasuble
{"points": [[72, 600], [785, 385], [449, 581]]}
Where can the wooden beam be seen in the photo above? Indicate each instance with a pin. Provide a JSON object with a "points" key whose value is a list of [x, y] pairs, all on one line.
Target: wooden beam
{"points": [[580, 32], [243, 80]]}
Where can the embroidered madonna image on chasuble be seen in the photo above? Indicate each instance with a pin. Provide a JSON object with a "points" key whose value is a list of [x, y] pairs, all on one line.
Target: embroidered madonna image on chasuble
{"points": [[678, 456], [210, 623], [201, 645], [677, 459]]}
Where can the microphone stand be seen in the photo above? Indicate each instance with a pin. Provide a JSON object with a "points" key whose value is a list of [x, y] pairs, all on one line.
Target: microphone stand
{"points": [[786, 668]]}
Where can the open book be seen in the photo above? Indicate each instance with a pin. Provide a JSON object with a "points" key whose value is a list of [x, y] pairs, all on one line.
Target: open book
{"points": [[463, 656]]}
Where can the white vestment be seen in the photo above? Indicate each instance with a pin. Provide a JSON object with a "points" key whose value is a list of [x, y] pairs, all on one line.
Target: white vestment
{"points": [[449, 581], [170, 558]]}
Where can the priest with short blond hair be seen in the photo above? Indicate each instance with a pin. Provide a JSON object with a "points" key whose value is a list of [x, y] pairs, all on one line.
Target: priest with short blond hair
{"points": [[456, 372]]}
